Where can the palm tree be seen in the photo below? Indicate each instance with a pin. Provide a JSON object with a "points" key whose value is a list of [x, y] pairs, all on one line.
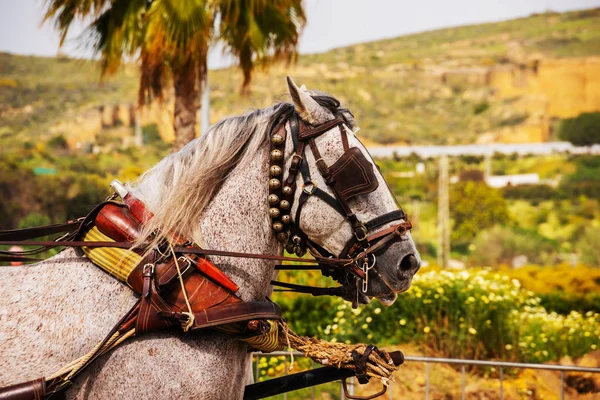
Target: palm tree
{"points": [[170, 40]]}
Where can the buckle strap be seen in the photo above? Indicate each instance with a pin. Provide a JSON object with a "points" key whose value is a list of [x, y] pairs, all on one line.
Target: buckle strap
{"points": [[319, 130], [385, 218]]}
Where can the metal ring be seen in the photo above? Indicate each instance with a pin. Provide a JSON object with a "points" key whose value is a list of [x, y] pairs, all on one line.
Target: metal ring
{"points": [[374, 259], [309, 192]]}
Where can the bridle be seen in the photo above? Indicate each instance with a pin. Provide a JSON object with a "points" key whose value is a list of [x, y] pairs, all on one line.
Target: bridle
{"points": [[351, 175]]}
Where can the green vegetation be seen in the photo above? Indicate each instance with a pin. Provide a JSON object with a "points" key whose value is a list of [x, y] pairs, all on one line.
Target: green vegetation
{"points": [[475, 207], [583, 130], [468, 314]]}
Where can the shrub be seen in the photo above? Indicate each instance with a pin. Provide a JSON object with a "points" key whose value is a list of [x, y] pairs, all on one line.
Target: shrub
{"points": [[474, 206], [500, 245], [564, 303], [480, 107], [468, 315], [587, 246], [583, 130], [58, 142], [474, 175], [532, 192]]}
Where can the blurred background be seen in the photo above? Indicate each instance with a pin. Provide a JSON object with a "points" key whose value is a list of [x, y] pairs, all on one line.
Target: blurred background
{"points": [[483, 116]]}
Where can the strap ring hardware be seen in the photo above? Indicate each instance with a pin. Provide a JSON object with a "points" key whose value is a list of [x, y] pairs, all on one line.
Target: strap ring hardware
{"points": [[309, 191], [187, 260], [361, 229]]}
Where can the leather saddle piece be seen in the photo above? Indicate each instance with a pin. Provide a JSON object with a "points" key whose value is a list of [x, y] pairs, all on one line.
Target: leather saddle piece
{"points": [[32, 390], [163, 301], [118, 223], [352, 174], [210, 292]]}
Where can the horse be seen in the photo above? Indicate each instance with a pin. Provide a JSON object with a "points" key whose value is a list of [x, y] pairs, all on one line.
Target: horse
{"points": [[214, 191]]}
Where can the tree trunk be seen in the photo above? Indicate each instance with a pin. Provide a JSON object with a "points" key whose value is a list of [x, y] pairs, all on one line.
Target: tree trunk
{"points": [[188, 88]]}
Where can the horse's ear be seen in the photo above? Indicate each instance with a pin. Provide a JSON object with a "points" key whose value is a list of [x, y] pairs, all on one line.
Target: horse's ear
{"points": [[308, 109]]}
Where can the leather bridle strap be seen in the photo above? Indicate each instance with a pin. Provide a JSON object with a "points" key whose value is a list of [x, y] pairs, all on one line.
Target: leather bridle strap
{"points": [[331, 262], [30, 233], [313, 290]]}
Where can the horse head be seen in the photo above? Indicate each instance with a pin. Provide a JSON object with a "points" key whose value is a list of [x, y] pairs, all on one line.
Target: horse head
{"points": [[344, 170]]}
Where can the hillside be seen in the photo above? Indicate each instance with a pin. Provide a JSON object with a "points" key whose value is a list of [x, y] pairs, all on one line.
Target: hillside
{"points": [[506, 81]]}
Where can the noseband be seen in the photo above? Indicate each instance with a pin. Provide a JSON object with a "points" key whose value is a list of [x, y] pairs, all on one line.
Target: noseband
{"points": [[352, 175]]}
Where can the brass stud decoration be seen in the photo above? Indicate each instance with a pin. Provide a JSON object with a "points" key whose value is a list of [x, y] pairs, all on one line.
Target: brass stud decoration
{"points": [[277, 139], [274, 184], [273, 199], [273, 212], [277, 226], [276, 155], [275, 170], [287, 190], [284, 205]]}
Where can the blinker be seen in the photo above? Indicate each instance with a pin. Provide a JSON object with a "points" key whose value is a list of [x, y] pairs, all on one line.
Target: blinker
{"points": [[353, 175]]}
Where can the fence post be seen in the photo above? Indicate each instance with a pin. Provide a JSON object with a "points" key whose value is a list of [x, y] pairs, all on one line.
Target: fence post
{"points": [[257, 372], [462, 369], [501, 382], [426, 381], [562, 385]]}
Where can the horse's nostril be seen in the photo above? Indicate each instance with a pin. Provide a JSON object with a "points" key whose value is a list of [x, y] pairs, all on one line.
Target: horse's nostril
{"points": [[409, 263]]}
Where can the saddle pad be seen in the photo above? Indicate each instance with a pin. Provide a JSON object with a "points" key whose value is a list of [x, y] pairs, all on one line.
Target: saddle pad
{"points": [[117, 262]]}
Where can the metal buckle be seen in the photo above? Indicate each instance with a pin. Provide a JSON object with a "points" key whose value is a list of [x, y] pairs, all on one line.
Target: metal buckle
{"points": [[151, 266], [313, 187], [362, 228], [298, 156], [184, 258]]}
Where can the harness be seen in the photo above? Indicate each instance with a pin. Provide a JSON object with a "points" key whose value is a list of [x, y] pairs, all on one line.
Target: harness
{"points": [[350, 176], [175, 282]]}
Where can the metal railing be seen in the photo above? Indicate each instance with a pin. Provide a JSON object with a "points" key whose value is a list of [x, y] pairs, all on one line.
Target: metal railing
{"points": [[501, 365]]}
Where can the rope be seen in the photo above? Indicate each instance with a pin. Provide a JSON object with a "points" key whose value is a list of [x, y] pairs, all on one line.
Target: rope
{"points": [[380, 365], [69, 370], [190, 314], [286, 331]]}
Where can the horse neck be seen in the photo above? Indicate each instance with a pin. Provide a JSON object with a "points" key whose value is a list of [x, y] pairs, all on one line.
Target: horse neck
{"points": [[237, 220]]}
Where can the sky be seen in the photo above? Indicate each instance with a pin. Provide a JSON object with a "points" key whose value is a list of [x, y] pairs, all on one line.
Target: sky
{"points": [[331, 23]]}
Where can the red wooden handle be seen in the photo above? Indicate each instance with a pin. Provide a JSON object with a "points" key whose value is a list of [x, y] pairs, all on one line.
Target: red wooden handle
{"points": [[210, 270]]}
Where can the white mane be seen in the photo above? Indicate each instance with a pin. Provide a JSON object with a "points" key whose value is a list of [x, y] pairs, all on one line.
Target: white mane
{"points": [[178, 189]]}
